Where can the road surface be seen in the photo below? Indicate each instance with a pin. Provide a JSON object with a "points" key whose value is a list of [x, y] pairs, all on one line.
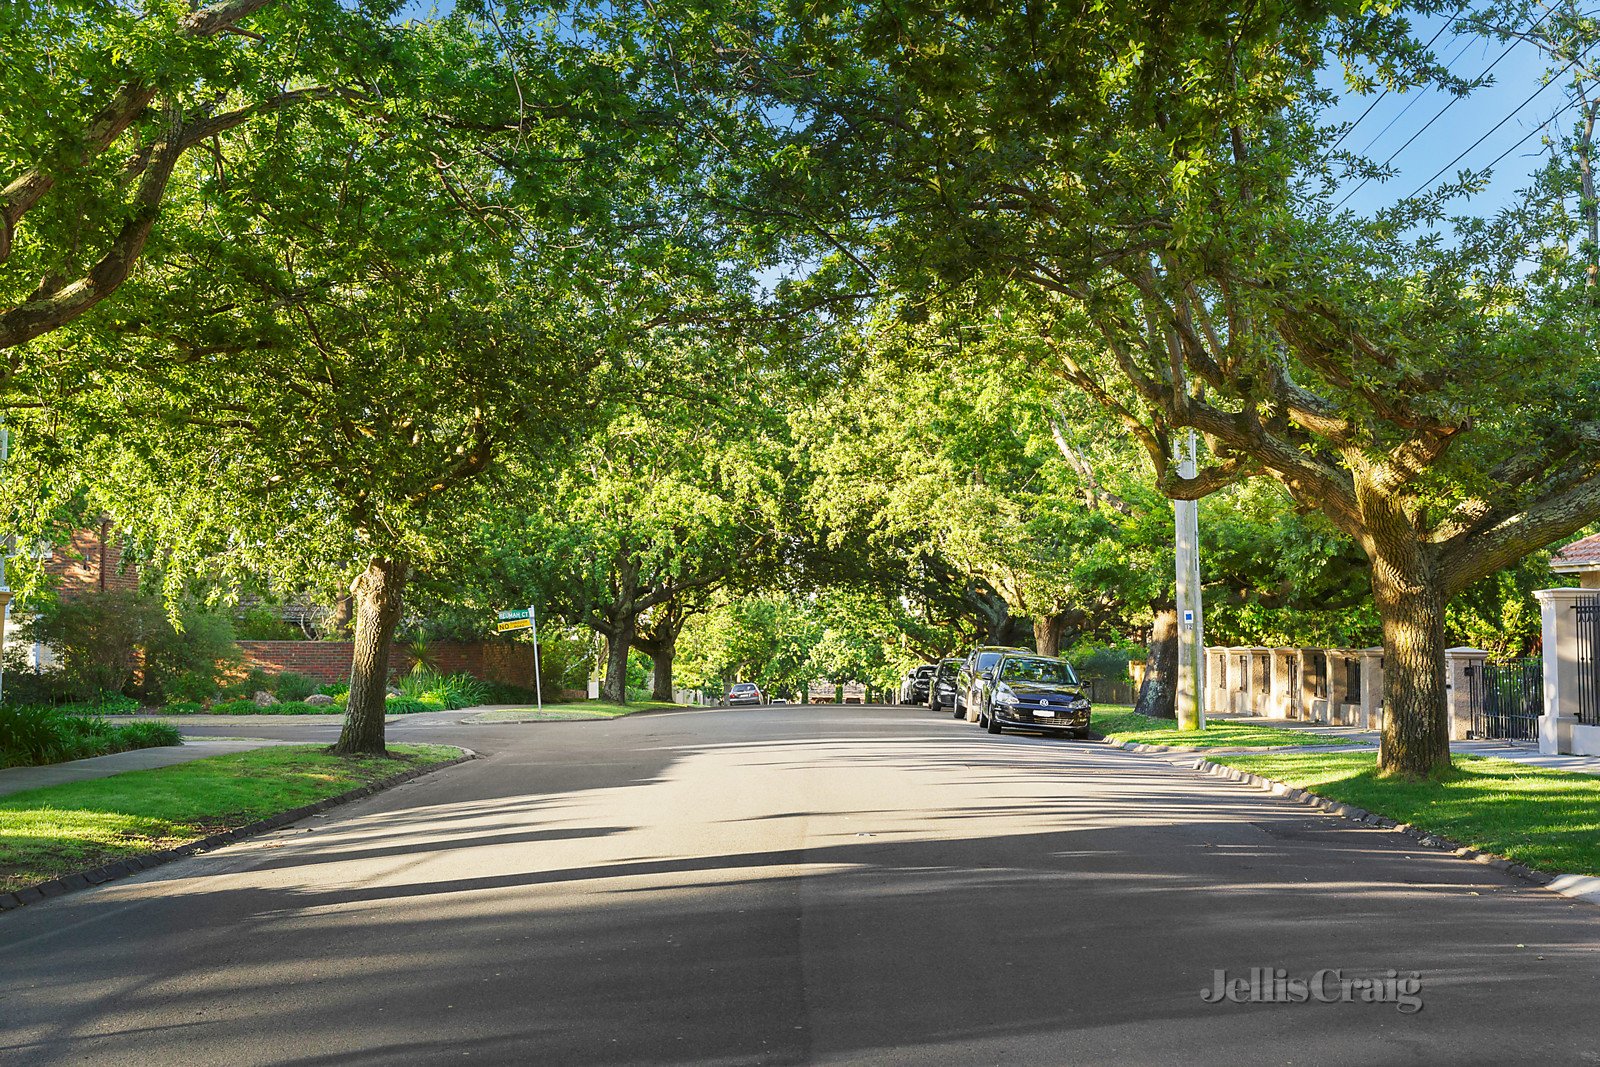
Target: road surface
{"points": [[795, 885]]}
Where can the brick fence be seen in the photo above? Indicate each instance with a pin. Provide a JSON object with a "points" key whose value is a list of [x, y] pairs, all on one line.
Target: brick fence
{"points": [[510, 662]]}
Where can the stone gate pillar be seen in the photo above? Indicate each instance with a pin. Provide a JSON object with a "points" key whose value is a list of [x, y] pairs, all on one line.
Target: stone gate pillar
{"points": [[1560, 623], [1458, 684], [1372, 688]]}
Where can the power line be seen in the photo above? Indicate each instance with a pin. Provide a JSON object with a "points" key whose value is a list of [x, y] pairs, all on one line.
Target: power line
{"points": [[1348, 129], [1466, 44], [1501, 123], [1496, 161], [1440, 114]]}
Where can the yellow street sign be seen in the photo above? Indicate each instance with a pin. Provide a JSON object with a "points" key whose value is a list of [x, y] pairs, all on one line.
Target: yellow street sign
{"points": [[512, 624]]}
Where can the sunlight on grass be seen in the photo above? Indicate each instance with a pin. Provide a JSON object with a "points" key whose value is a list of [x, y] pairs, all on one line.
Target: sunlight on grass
{"points": [[1119, 723], [46, 833], [1537, 816], [589, 709]]}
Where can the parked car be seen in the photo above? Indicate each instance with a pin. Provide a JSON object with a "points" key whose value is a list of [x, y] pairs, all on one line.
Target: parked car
{"points": [[745, 693], [942, 686], [914, 687], [1034, 692], [973, 676]]}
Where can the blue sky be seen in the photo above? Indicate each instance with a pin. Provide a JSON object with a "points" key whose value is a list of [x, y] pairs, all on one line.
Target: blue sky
{"points": [[1516, 77]]}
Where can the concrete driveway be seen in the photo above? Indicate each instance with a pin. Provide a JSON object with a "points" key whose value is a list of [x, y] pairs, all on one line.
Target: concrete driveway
{"points": [[796, 885]]}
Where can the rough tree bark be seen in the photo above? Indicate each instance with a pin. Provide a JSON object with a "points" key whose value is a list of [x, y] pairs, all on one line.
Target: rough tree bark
{"points": [[1158, 692], [1048, 631], [379, 593], [658, 639], [661, 675], [619, 640]]}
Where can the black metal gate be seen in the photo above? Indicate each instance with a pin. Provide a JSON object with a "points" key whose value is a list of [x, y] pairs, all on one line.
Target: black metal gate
{"points": [[1588, 612], [1507, 699]]}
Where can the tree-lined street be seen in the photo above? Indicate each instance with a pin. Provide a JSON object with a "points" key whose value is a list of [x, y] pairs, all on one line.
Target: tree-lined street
{"points": [[796, 885]]}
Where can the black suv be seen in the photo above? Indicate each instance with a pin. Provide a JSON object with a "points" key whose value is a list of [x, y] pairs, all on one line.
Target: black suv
{"points": [[1034, 692], [942, 690], [914, 687], [973, 676]]}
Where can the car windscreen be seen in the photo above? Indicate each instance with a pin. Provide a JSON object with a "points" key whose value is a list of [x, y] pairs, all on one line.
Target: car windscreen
{"points": [[1038, 671], [947, 669], [744, 687], [988, 659], [924, 672]]}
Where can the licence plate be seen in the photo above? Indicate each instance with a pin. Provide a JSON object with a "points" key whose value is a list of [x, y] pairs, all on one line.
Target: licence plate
{"points": [[1045, 712]]}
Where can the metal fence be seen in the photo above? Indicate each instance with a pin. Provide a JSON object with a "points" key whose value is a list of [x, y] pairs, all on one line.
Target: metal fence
{"points": [[1507, 699], [1588, 612]]}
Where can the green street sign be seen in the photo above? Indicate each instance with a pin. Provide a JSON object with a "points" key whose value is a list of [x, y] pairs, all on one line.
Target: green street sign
{"points": [[514, 613]]}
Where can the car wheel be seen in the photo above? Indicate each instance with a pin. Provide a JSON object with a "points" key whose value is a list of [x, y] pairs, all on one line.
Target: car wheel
{"points": [[991, 724], [957, 711]]}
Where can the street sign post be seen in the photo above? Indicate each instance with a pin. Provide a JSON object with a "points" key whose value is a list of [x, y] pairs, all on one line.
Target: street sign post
{"points": [[525, 619]]}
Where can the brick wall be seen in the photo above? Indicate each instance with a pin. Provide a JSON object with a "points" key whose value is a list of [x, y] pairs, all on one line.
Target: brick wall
{"points": [[510, 662], [90, 563]]}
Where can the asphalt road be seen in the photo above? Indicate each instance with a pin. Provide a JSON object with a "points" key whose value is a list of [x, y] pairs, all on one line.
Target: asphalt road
{"points": [[796, 885]]}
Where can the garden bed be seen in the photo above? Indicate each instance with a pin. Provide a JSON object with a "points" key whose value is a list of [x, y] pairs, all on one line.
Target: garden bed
{"points": [[38, 736]]}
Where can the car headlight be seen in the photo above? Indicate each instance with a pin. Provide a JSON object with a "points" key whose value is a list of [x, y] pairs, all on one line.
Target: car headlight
{"points": [[1079, 703], [1005, 696]]}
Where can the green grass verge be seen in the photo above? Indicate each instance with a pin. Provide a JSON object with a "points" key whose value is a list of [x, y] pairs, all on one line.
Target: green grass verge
{"points": [[589, 709], [50, 832], [1119, 723], [1537, 816]]}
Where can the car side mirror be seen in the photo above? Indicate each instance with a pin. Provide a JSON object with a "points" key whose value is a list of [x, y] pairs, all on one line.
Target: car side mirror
{"points": [[987, 676]]}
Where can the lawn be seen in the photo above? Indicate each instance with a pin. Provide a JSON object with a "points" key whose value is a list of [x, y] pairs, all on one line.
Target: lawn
{"points": [[588, 709], [50, 832], [1118, 722], [1536, 816]]}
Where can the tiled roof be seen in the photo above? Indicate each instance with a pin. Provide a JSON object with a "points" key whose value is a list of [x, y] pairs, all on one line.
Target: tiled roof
{"points": [[1581, 554]]}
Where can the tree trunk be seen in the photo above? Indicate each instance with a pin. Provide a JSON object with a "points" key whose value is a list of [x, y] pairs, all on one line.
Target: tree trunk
{"points": [[379, 595], [1415, 741], [1158, 692], [1047, 631], [661, 677], [615, 686]]}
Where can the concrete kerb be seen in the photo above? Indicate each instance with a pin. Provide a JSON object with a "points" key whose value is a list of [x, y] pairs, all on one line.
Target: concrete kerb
{"points": [[1575, 886], [144, 861]]}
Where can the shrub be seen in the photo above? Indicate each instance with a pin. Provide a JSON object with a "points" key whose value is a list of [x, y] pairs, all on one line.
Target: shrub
{"points": [[252, 683], [335, 689], [148, 734], [116, 704], [96, 640], [264, 624], [235, 707], [33, 735], [506, 693], [190, 686], [120, 642], [188, 665], [407, 706], [443, 692], [1110, 664], [292, 686], [183, 707]]}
